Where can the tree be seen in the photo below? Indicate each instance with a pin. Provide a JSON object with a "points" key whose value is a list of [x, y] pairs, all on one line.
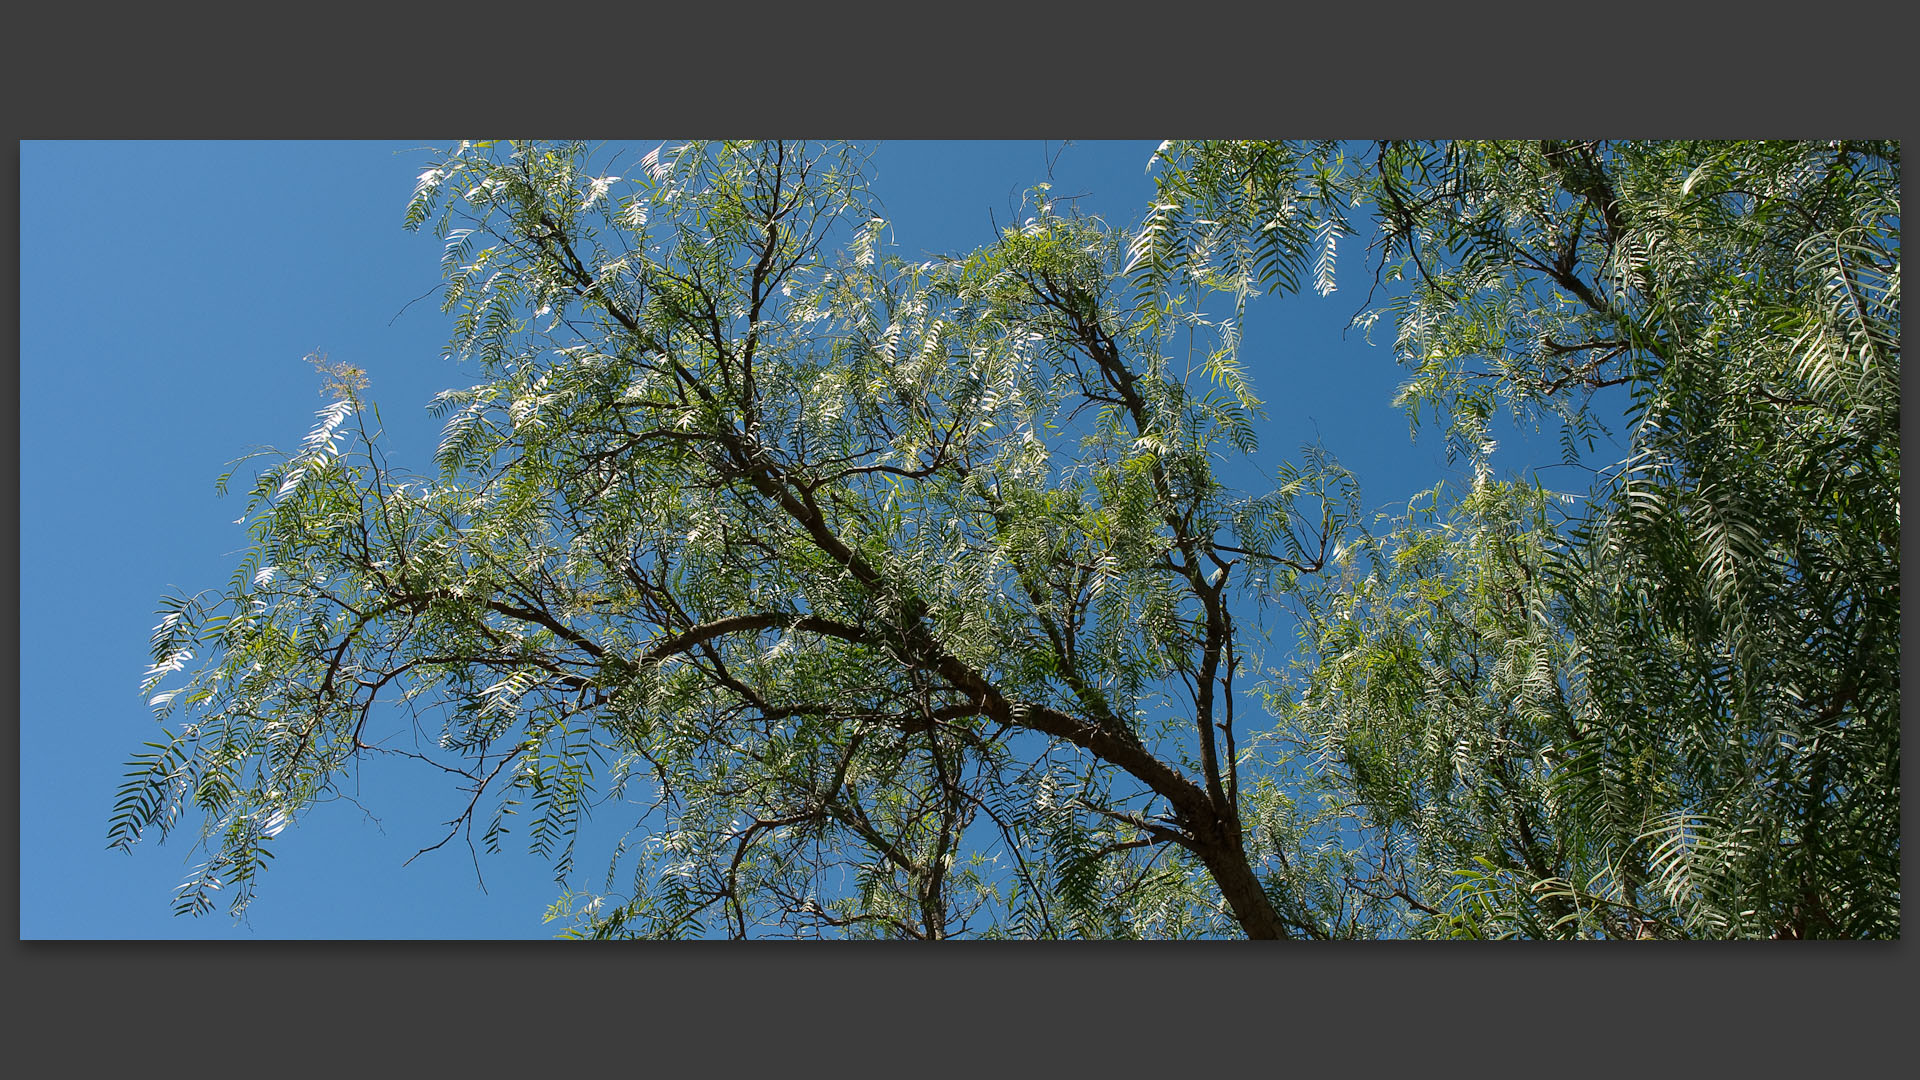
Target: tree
{"points": [[911, 595]]}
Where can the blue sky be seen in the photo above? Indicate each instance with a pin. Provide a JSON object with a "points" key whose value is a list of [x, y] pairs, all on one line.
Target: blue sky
{"points": [[169, 293]]}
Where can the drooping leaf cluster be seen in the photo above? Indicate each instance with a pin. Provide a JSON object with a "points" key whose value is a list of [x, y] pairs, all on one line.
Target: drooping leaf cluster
{"points": [[1674, 709]]}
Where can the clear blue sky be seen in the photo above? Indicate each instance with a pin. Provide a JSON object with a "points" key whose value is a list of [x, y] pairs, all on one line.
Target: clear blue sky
{"points": [[168, 295]]}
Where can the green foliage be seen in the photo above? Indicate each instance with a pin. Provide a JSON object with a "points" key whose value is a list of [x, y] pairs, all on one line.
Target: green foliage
{"points": [[1674, 711], [906, 600]]}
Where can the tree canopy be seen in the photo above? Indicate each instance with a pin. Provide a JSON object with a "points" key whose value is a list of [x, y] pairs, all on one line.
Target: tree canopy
{"points": [[911, 599]]}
